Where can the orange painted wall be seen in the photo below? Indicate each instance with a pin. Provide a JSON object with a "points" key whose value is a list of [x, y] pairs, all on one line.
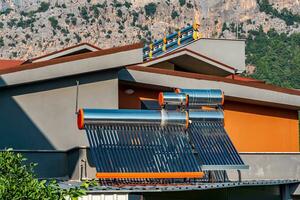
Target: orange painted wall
{"points": [[252, 128], [132, 101]]}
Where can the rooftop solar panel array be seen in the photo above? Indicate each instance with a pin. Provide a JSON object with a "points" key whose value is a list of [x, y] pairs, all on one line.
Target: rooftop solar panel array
{"points": [[139, 148], [215, 149], [174, 144]]}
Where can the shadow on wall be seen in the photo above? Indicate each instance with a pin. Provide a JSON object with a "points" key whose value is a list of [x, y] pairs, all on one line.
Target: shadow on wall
{"points": [[17, 129], [20, 132]]}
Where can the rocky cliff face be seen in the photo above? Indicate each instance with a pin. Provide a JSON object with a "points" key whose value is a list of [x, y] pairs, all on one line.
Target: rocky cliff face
{"points": [[33, 27]]}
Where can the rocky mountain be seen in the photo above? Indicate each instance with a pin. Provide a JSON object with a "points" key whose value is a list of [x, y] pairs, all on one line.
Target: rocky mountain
{"points": [[34, 27]]}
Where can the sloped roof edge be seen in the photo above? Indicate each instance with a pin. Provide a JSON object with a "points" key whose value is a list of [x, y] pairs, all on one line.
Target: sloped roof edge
{"points": [[214, 78], [65, 49], [71, 58], [148, 62]]}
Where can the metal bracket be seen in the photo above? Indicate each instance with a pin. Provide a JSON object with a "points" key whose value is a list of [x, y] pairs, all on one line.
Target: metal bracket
{"points": [[76, 101]]}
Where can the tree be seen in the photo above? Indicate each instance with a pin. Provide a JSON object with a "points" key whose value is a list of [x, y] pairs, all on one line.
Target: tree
{"points": [[174, 14], [44, 6], [54, 22], [150, 9], [119, 13], [182, 2], [17, 181], [84, 14], [1, 42]]}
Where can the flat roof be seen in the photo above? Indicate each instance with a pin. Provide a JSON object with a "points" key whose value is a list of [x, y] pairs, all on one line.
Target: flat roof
{"points": [[133, 188]]}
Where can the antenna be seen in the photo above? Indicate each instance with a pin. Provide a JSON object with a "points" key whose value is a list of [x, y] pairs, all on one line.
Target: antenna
{"points": [[77, 92]]}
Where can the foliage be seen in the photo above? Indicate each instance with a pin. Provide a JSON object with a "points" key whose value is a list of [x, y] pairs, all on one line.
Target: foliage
{"points": [[17, 181], [26, 23], [44, 6], [54, 22], [276, 56], [182, 2], [135, 17], [1, 25], [127, 4], [74, 20], [1, 42], [119, 13], [150, 9], [12, 22], [6, 12], [284, 14], [84, 14], [77, 37], [96, 11], [189, 5], [174, 14]]}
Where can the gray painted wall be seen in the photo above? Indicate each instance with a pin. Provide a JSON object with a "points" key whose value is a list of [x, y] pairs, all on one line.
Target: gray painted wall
{"points": [[269, 166], [229, 52], [42, 116]]}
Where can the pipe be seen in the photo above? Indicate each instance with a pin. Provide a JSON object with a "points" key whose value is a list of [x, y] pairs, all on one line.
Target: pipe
{"points": [[205, 115], [171, 98], [204, 97], [138, 175], [125, 116]]}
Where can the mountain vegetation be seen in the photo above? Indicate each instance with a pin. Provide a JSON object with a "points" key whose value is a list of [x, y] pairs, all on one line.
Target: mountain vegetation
{"points": [[275, 55]]}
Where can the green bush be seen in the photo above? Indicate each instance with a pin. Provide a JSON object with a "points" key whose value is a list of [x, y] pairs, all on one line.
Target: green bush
{"points": [[1, 42], [127, 4], [119, 13], [74, 20], [44, 6], [17, 181], [6, 12], [12, 22], [77, 37], [174, 14], [1, 25], [150, 9], [96, 11], [84, 14], [182, 2], [54, 22]]}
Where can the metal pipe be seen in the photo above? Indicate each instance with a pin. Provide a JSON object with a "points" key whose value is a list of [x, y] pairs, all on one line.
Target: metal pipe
{"points": [[203, 97], [126, 116], [205, 115], [171, 98]]}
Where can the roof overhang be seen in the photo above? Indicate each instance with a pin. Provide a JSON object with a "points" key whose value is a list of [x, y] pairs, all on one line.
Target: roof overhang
{"points": [[83, 47], [193, 61], [72, 65], [257, 93]]}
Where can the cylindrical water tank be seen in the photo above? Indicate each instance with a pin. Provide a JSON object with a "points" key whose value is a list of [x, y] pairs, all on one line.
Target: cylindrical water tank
{"points": [[126, 116], [171, 98], [206, 115], [203, 97]]}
